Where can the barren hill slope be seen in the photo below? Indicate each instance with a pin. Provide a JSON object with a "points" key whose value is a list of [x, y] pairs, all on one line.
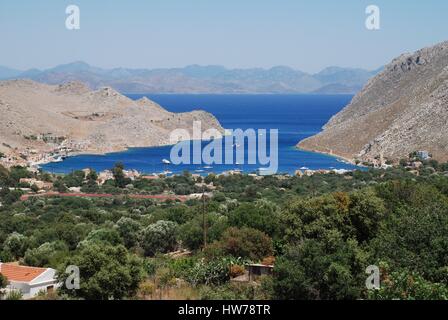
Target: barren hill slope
{"points": [[401, 110], [39, 116]]}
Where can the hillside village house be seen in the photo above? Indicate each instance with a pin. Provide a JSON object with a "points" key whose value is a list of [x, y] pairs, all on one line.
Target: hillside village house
{"points": [[29, 280], [104, 176], [423, 155]]}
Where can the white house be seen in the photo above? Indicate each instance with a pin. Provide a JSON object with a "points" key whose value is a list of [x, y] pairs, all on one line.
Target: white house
{"points": [[29, 280], [423, 155]]}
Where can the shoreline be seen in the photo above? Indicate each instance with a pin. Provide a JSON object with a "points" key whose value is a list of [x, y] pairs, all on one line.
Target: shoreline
{"points": [[60, 157], [117, 149], [218, 169], [345, 159], [55, 157]]}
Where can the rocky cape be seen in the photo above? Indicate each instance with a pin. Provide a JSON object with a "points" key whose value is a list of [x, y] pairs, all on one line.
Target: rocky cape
{"points": [[401, 110], [37, 118]]}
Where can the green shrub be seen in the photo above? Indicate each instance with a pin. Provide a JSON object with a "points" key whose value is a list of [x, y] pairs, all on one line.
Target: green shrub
{"points": [[405, 285], [212, 272], [245, 243], [159, 237], [107, 272]]}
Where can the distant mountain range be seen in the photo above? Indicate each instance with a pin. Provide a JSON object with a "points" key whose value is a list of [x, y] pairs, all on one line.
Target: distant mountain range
{"points": [[201, 79]]}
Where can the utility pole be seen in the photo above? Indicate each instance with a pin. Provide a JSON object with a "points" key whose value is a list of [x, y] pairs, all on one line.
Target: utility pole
{"points": [[204, 219]]}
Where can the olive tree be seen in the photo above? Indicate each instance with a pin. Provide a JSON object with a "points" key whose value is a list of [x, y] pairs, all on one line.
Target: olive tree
{"points": [[106, 272], [159, 237], [129, 230]]}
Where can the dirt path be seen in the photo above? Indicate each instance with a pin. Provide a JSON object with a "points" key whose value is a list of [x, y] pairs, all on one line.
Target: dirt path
{"points": [[105, 195]]}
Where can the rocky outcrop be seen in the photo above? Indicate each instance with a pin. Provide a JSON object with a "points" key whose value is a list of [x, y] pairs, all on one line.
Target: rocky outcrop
{"points": [[401, 110], [40, 117]]}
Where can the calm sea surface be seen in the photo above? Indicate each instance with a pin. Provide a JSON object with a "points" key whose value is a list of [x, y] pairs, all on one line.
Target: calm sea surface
{"points": [[295, 116]]}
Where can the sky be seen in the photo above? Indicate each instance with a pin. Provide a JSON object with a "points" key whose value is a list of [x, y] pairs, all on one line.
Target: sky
{"points": [[306, 35]]}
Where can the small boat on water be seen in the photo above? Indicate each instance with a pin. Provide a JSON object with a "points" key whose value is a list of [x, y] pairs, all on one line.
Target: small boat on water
{"points": [[166, 172], [165, 161], [199, 170], [208, 167], [304, 168]]}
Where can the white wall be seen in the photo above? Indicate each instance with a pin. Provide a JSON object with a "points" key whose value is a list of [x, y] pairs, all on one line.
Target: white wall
{"points": [[41, 283]]}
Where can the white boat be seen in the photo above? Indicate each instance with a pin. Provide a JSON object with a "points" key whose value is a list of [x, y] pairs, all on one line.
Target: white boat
{"points": [[165, 161], [208, 167], [304, 168], [166, 172]]}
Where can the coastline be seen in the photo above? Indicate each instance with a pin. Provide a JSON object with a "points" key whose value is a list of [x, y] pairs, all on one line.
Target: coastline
{"points": [[52, 157], [118, 149], [154, 165], [344, 159], [289, 160], [115, 149]]}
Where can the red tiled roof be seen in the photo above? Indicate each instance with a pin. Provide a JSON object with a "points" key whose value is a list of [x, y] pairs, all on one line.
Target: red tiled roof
{"points": [[13, 272]]}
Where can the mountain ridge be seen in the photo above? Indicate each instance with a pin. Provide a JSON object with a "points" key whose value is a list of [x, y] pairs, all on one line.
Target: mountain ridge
{"points": [[211, 79]]}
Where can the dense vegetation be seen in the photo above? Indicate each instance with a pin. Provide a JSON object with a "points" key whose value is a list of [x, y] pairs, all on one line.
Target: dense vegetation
{"points": [[323, 230]]}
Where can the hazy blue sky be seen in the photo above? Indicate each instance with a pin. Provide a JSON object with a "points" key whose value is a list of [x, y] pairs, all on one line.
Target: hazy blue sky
{"points": [[307, 35]]}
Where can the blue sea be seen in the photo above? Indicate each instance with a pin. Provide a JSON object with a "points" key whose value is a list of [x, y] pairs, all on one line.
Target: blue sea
{"points": [[295, 116]]}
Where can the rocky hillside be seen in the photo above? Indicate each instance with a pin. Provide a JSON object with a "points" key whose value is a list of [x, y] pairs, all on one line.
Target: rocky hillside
{"points": [[401, 110], [41, 117]]}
